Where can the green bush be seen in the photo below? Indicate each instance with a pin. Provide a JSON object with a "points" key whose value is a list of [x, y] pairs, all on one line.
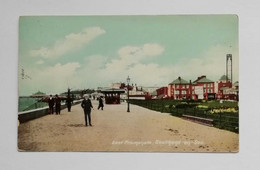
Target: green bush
{"points": [[223, 120], [182, 105]]}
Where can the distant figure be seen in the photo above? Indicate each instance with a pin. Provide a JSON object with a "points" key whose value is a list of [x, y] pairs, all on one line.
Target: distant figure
{"points": [[68, 102], [51, 104], [87, 105], [100, 105], [57, 104]]}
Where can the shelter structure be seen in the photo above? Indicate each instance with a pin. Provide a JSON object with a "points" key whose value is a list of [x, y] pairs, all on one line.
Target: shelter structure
{"points": [[112, 96]]}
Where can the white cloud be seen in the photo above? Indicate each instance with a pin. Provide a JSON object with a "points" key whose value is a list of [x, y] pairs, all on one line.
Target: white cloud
{"points": [[152, 49], [95, 62], [52, 79], [136, 53], [130, 63], [40, 62], [60, 71], [71, 42], [97, 71], [212, 63], [130, 55], [90, 72], [151, 74]]}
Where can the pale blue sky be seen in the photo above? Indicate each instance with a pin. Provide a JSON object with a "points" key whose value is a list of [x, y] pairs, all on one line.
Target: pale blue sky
{"points": [[91, 51]]}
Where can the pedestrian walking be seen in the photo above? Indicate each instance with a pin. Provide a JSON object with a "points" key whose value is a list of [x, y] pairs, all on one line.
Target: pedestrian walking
{"points": [[100, 103], [68, 102], [87, 105], [57, 104], [51, 104]]}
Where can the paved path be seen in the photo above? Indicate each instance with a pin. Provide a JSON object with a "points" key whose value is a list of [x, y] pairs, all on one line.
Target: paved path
{"points": [[114, 129]]}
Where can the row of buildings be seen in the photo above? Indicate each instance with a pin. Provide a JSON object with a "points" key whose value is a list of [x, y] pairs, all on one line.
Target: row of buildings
{"points": [[201, 88], [178, 89]]}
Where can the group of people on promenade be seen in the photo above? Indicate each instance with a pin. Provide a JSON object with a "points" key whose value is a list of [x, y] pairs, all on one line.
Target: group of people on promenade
{"points": [[86, 104], [54, 102]]}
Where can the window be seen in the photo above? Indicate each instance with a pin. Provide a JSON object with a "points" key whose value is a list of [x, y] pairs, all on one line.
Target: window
{"points": [[204, 85], [183, 92], [176, 92], [183, 86], [177, 86], [208, 90]]}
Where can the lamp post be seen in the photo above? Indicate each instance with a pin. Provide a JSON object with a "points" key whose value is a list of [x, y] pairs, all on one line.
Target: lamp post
{"points": [[128, 80]]}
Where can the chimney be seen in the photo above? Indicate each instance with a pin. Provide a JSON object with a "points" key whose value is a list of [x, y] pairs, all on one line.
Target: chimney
{"points": [[201, 77], [179, 78]]}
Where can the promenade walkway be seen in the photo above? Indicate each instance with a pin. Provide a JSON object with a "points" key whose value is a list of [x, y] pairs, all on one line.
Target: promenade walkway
{"points": [[114, 129]]}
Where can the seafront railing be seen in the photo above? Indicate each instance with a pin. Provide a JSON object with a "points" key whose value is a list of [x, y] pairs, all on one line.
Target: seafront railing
{"points": [[224, 116], [40, 112]]}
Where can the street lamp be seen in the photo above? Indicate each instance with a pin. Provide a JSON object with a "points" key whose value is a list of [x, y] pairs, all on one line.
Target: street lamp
{"points": [[128, 80]]}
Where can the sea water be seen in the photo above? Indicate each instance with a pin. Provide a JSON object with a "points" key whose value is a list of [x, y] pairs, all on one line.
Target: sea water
{"points": [[28, 103]]}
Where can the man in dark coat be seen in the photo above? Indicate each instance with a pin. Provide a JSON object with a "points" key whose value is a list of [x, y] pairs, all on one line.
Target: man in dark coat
{"points": [[87, 105], [68, 102], [100, 105], [51, 104], [57, 104]]}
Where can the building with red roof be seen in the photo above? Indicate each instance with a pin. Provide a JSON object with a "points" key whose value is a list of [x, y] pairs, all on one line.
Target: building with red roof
{"points": [[179, 89], [203, 88]]}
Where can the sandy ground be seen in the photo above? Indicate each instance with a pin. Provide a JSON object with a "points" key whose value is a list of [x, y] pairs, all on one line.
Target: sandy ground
{"points": [[114, 129]]}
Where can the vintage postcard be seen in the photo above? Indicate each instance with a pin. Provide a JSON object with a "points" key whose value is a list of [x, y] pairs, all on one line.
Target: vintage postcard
{"points": [[160, 83]]}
